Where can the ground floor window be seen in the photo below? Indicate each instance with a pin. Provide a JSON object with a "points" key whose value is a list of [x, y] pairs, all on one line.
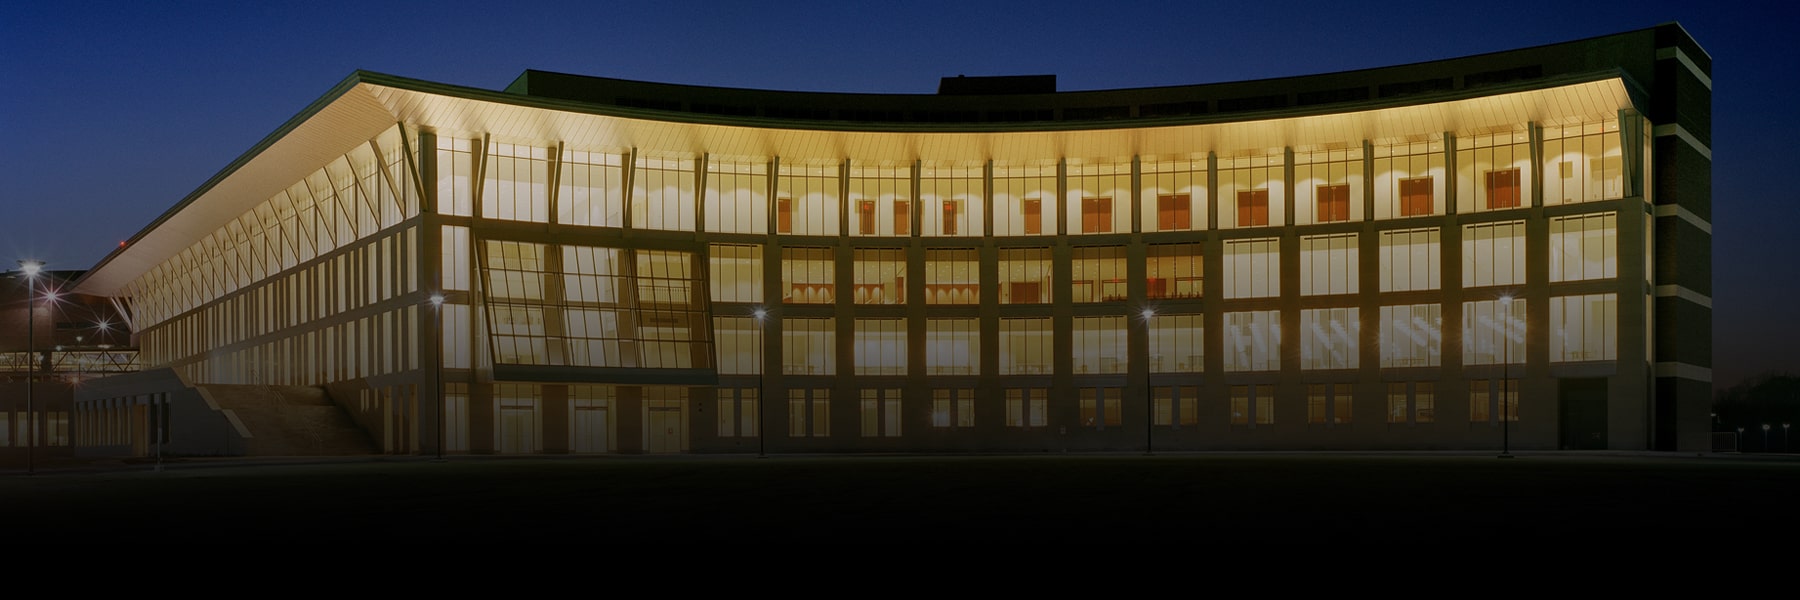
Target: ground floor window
{"points": [[1484, 400], [953, 407], [1026, 407], [1414, 402], [1176, 405], [738, 413], [1252, 405], [881, 412], [1100, 407], [809, 412], [1328, 403]]}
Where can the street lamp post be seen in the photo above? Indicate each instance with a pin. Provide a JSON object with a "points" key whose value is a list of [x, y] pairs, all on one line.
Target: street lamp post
{"points": [[1784, 436], [1765, 446], [1740, 439], [31, 269], [1506, 375], [762, 316], [437, 308], [1149, 398]]}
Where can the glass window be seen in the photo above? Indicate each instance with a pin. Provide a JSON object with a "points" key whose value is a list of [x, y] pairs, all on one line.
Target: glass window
{"points": [[1026, 346], [739, 344], [880, 276], [1409, 178], [806, 201], [1494, 254], [1252, 187], [953, 198], [1099, 345], [1411, 335], [1252, 268], [1584, 328], [952, 347], [1025, 407], [1483, 394], [455, 163], [808, 346], [1328, 185], [1328, 403], [1177, 343], [881, 198], [952, 276], [809, 412], [590, 190], [1098, 274], [953, 407], [1099, 197], [737, 196], [880, 413], [736, 274], [1173, 271], [1025, 199], [807, 275], [1584, 247], [1024, 275], [881, 346], [662, 193], [1328, 338], [1253, 341], [1174, 195], [1328, 264], [1409, 259], [1252, 404], [1583, 163], [515, 186], [1493, 172], [1494, 332], [1100, 407]]}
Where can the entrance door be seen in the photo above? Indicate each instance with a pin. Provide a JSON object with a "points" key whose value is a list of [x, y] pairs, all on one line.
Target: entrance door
{"points": [[1582, 413], [665, 422], [591, 431]]}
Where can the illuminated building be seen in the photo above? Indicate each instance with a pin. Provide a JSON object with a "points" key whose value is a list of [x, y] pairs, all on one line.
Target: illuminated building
{"points": [[1312, 262]]}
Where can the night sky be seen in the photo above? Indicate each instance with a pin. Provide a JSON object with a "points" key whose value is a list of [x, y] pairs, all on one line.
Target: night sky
{"points": [[111, 112]]}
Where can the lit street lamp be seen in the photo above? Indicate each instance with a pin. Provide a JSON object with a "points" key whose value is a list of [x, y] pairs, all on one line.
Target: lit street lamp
{"points": [[1740, 439], [1765, 446], [1506, 374], [437, 307], [1149, 398], [31, 269], [762, 316]]}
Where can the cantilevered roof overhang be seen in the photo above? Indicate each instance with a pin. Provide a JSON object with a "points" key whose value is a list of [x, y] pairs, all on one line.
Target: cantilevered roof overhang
{"points": [[364, 104]]}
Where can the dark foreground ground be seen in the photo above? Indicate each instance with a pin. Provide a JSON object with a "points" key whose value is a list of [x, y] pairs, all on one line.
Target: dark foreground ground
{"points": [[885, 499]]}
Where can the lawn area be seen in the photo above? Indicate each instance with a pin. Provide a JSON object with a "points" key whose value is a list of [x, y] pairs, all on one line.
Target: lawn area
{"points": [[880, 499]]}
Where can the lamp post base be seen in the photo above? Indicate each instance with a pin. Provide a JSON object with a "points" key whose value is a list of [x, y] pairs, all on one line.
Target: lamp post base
{"points": [[1504, 456]]}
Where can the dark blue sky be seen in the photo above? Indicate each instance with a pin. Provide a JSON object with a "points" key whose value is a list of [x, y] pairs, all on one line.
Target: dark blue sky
{"points": [[111, 112]]}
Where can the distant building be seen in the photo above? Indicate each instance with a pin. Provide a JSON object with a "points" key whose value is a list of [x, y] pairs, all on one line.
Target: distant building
{"points": [[1399, 258]]}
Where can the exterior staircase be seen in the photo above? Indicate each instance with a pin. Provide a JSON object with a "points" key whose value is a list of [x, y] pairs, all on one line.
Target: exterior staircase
{"points": [[274, 420]]}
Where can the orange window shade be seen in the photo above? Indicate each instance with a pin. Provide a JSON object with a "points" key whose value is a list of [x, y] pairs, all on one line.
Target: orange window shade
{"points": [[1415, 196], [865, 217], [1096, 215], [902, 217], [951, 215], [784, 215], [1253, 208], [1334, 202], [1034, 216], [1503, 188], [1173, 212]]}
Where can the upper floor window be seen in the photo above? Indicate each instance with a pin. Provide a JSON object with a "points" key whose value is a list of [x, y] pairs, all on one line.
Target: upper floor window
{"points": [[1095, 190], [1328, 185], [1493, 171], [1409, 178], [1254, 188], [1173, 195]]}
